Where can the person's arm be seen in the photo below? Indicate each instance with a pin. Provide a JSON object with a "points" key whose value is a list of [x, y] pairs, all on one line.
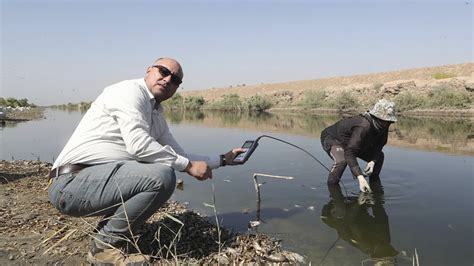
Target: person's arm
{"points": [[375, 152], [166, 138], [353, 148], [214, 162]]}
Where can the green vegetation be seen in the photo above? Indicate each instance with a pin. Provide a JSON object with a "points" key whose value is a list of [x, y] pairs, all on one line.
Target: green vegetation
{"points": [[194, 103], [317, 99], [408, 101], [175, 102], [14, 103], [344, 101], [257, 104], [232, 102], [442, 75], [314, 98], [228, 102], [441, 98], [184, 103]]}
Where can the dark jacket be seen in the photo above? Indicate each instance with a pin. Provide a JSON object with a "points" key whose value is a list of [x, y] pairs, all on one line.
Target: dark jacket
{"points": [[358, 136]]}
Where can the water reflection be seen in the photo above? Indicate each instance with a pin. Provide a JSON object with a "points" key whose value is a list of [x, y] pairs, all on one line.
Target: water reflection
{"points": [[433, 134], [361, 221]]}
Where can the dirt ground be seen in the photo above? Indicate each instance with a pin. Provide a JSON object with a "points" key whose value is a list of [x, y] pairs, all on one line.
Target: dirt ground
{"points": [[35, 233]]}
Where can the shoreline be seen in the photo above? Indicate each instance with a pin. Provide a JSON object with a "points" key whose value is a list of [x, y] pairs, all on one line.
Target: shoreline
{"points": [[428, 113], [34, 232]]}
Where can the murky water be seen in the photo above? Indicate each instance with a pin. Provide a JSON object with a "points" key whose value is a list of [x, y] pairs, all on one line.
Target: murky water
{"points": [[424, 202]]}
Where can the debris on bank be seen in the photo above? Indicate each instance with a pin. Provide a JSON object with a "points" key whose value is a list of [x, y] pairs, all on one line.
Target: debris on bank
{"points": [[34, 232]]}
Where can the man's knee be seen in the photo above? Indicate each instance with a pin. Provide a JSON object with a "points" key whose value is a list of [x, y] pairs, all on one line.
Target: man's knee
{"points": [[165, 178], [168, 180]]}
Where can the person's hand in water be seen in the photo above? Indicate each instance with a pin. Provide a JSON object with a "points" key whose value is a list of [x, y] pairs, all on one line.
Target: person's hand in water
{"points": [[363, 185]]}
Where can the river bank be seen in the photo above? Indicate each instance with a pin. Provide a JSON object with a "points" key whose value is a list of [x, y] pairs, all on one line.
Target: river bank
{"points": [[434, 91], [21, 114], [33, 232]]}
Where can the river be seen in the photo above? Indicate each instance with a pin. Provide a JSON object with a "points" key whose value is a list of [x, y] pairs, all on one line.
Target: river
{"points": [[424, 201]]}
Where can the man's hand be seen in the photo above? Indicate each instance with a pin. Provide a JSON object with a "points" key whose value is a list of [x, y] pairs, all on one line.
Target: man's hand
{"points": [[199, 169], [369, 169], [363, 185], [230, 156]]}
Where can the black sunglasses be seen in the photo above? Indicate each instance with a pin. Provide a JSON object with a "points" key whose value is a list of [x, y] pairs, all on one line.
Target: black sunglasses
{"points": [[166, 72]]}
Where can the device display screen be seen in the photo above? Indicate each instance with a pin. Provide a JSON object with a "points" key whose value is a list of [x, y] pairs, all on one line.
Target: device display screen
{"points": [[248, 148], [247, 144]]}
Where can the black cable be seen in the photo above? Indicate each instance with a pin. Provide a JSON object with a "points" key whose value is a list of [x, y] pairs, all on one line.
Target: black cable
{"points": [[312, 156], [327, 252]]}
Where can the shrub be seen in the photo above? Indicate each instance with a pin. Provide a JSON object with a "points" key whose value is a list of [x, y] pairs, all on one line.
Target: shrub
{"points": [[314, 98], [228, 102], [257, 104], [175, 102], [407, 101], [442, 97], [193, 103], [344, 101]]}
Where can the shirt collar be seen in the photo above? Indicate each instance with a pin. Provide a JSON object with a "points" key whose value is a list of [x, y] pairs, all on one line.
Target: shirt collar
{"points": [[153, 103]]}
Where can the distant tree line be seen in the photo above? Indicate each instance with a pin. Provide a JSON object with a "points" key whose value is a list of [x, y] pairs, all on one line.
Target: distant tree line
{"points": [[228, 102], [14, 103]]}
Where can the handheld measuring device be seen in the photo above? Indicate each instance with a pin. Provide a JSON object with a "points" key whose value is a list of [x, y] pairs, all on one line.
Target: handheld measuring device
{"points": [[249, 146]]}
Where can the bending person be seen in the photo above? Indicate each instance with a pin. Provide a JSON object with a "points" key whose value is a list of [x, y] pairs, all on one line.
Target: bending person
{"points": [[361, 136]]}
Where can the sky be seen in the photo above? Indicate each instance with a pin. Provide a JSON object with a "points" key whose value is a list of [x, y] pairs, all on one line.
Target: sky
{"points": [[55, 52]]}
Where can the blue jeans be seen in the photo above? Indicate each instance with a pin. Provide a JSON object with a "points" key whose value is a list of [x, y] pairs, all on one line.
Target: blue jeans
{"points": [[125, 193]]}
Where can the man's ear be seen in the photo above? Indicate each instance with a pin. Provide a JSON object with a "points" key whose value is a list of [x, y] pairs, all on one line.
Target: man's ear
{"points": [[148, 69]]}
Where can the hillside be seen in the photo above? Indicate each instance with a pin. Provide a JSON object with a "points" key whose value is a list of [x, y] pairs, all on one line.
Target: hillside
{"points": [[451, 82]]}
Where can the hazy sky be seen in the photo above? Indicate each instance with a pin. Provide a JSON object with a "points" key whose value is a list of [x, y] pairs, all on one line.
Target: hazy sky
{"points": [[67, 51]]}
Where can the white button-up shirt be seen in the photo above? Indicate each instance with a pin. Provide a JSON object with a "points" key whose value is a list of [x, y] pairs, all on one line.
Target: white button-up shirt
{"points": [[123, 124]]}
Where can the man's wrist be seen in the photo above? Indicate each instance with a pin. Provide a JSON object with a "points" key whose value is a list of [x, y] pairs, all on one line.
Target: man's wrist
{"points": [[222, 160], [188, 167]]}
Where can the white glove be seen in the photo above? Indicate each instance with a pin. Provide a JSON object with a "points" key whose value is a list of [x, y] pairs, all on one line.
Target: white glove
{"points": [[369, 169], [363, 185]]}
